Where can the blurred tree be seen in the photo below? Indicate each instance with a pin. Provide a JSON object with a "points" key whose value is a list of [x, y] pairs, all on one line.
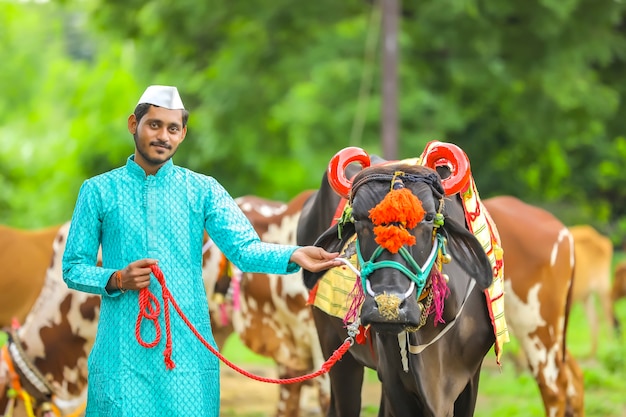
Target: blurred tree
{"points": [[59, 111], [533, 91]]}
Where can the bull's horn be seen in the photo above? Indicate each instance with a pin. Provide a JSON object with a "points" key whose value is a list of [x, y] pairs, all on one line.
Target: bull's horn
{"points": [[337, 168], [450, 155]]}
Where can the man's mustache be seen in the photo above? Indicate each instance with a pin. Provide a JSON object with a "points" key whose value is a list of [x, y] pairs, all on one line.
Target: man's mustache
{"points": [[161, 144]]}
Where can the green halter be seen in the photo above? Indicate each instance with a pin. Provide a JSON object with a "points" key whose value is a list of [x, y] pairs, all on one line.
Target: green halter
{"points": [[367, 267]]}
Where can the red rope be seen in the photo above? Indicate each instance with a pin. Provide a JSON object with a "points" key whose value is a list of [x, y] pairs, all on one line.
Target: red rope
{"points": [[150, 309]]}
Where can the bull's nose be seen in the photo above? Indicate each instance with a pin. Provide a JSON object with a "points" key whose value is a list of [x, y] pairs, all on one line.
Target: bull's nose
{"points": [[388, 306], [390, 310]]}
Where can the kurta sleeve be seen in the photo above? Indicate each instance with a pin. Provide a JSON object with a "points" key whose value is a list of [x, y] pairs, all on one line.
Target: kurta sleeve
{"points": [[80, 271], [233, 233]]}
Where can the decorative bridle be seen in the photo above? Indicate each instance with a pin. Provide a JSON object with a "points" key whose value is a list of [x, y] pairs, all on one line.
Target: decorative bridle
{"points": [[439, 154], [392, 233]]}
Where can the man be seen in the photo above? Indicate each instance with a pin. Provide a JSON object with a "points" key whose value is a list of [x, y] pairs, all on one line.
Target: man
{"points": [[151, 212]]}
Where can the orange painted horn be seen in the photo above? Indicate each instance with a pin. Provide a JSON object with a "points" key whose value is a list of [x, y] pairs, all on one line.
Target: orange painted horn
{"points": [[450, 155], [337, 168]]}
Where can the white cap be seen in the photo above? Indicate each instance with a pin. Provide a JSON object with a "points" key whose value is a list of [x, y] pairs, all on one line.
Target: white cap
{"points": [[162, 96]]}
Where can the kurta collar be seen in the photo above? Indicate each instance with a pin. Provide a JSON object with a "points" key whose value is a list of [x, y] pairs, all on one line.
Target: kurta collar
{"points": [[134, 169]]}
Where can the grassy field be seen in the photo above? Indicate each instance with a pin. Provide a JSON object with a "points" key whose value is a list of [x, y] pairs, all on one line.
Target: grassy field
{"points": [[511, 392]]}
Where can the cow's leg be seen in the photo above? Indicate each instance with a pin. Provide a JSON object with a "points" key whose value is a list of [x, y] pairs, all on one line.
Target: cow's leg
{"points": [[592, 320], [575, 389], [289, 394]]}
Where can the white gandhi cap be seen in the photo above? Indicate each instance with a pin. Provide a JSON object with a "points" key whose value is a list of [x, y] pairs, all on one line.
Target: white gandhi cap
{"points": [[162, 96]]}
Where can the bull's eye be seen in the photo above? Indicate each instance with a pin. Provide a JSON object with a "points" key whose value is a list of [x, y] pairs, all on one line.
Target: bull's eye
{"points": [[429, 217]]}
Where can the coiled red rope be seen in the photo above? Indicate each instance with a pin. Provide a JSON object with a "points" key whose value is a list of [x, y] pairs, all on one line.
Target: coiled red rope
{"points": [[149, 308]]}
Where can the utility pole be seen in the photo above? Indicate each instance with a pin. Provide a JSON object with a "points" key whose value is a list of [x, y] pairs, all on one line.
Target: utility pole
{"points": [[389, 56]]}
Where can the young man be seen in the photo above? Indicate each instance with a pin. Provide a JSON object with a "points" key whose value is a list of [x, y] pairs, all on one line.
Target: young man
{"points": [[149, 212]]}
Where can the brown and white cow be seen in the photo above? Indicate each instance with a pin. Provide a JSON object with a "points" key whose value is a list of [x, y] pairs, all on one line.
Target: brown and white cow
{"points": [[539, 267], [274, 319], [592, 277], [55, 340], [24, 257]]}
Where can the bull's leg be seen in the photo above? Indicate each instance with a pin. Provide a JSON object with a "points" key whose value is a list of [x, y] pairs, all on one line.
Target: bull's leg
{"points": [[465, 405], [346, 375]]}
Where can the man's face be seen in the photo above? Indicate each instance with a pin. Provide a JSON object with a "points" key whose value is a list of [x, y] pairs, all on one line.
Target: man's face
{"points": [[157, 136]]}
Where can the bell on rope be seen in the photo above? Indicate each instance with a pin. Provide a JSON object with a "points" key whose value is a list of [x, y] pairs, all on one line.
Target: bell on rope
{"points": [[446, 277], [421, 307], [447, 258]]}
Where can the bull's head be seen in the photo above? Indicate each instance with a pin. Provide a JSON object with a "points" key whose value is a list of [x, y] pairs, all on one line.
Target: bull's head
{"points": [[403, 224]]}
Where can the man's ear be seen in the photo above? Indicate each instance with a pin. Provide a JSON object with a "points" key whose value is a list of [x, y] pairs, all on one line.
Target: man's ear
{"points": [[132, 124], [184, 133]]}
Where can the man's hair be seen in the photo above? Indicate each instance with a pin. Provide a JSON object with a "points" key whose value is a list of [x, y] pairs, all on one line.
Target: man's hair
{"points": [[142, 109]]}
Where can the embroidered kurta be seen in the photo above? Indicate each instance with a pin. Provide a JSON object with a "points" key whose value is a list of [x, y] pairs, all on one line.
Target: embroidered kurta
{"points": [[132, 216]]}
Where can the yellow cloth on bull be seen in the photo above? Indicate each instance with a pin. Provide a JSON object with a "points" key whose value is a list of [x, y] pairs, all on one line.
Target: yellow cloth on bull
{"points": [[482, 226], [333, 293]]}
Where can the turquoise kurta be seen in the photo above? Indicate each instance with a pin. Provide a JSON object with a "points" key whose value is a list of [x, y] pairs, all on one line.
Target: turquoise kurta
{"points": [[162, 216]]}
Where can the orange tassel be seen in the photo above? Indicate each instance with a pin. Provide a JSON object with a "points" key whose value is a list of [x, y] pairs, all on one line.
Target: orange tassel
{"points": [[398, 206], [397, 213], [393, 237]]}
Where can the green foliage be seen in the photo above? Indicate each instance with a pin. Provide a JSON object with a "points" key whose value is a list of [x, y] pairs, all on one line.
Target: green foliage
{"points": [[532, 91]]}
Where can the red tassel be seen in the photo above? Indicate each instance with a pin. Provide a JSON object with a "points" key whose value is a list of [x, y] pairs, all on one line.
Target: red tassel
{"points": [[361, 337]]}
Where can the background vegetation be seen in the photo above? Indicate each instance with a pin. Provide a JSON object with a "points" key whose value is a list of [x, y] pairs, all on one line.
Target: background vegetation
{"points": [[533, 91]]}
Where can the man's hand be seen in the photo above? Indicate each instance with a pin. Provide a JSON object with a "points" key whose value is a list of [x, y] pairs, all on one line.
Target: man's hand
{"points": [[135, 276], [315, 259]]}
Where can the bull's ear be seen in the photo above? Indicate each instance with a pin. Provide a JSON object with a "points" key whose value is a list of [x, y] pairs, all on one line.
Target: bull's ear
{"points": [[467, 251], [330, 240]]}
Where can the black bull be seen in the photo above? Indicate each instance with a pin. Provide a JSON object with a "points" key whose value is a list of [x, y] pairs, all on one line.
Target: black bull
{"points": [[442, 379]]}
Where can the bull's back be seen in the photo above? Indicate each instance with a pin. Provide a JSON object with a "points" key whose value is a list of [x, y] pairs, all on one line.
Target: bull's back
{"points": [[25, 255]]}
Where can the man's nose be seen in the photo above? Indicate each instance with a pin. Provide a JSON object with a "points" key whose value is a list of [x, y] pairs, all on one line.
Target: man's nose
{"points": [[163, 134]]}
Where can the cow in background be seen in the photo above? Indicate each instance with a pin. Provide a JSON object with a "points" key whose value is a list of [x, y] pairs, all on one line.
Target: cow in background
{"points": [[53, 343], [539, 268], [270, 312], [618, 289], [24, 257], [592, 277]]}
